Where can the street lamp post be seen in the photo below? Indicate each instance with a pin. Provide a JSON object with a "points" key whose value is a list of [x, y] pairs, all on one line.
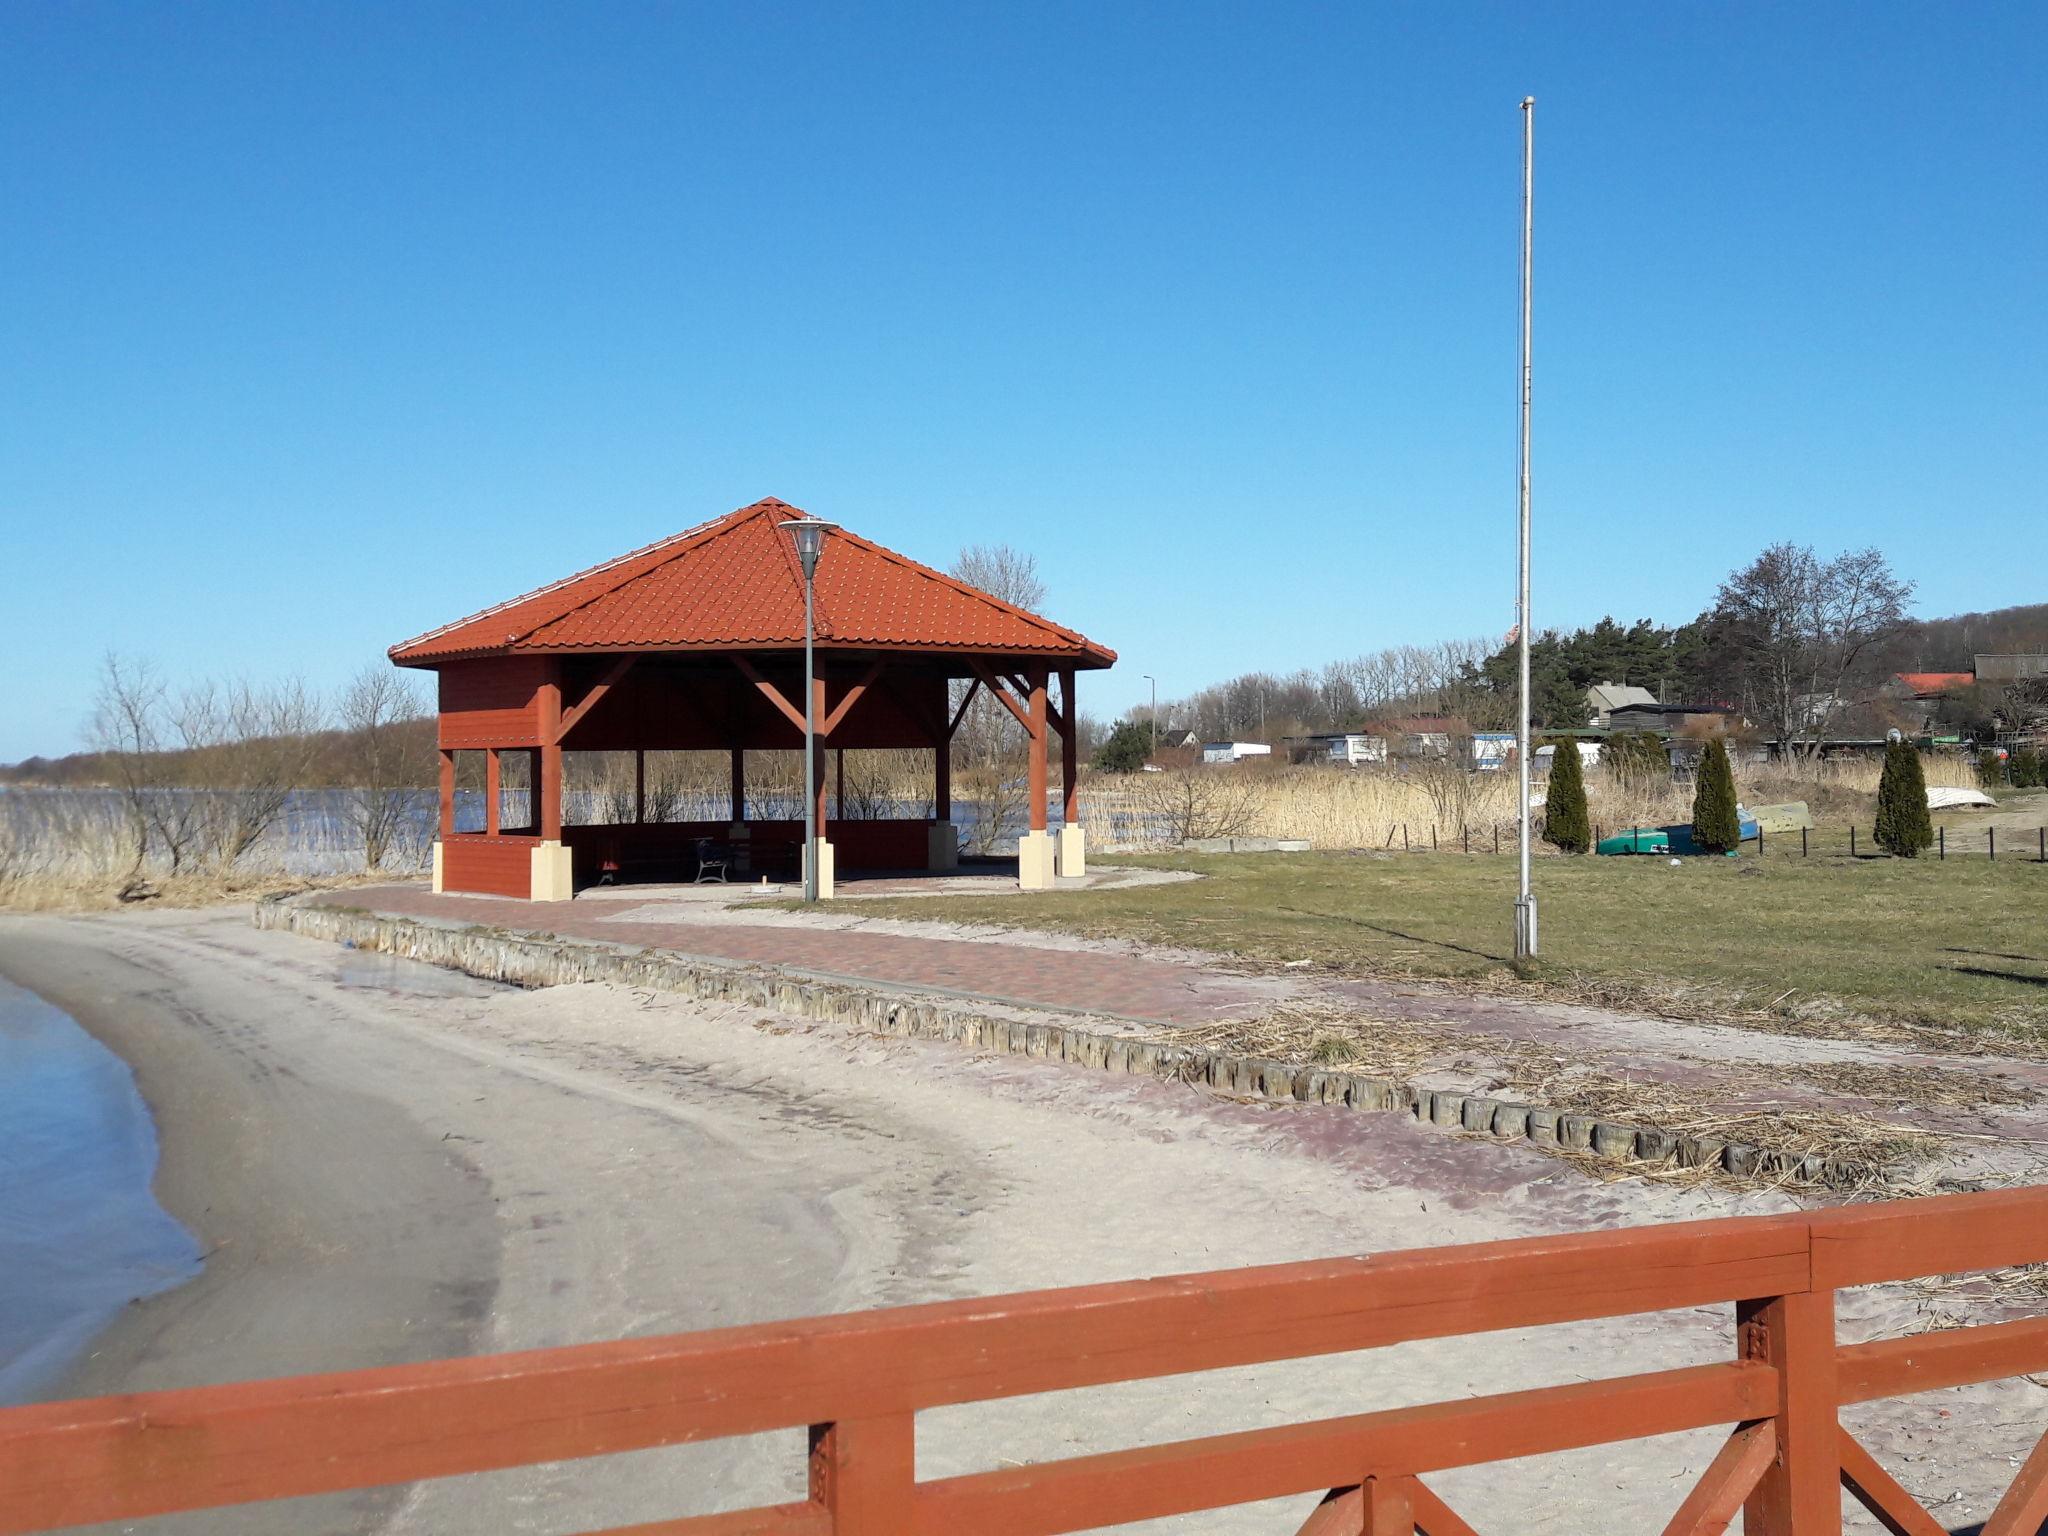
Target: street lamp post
{"points": [[1525, 902], [809, 534], [1155, 711]]}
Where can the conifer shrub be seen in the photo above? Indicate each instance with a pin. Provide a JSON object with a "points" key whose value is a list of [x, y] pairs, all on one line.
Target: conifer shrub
{"points": [[1903, 824], [1566, 822], [1716, 825]]}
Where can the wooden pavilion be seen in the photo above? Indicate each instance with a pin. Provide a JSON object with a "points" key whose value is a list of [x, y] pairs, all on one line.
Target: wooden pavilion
{"points": [[696, 643]]}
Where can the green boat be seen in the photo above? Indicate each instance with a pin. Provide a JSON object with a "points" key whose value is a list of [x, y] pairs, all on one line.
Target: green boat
{"points": [[1637, 840]]}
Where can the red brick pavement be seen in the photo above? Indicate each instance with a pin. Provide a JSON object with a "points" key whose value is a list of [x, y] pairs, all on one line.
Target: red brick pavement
{"points": [[1076, 980]]}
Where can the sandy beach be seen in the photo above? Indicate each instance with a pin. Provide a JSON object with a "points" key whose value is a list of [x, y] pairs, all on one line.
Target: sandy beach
{"points": [[389, 1163]]}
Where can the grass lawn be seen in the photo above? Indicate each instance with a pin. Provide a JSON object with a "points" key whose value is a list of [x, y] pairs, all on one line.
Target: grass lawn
{"points": [[1959, 944]]}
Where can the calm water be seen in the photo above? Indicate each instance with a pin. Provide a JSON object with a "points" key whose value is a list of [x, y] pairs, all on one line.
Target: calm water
{"points": [[81, 1236]]}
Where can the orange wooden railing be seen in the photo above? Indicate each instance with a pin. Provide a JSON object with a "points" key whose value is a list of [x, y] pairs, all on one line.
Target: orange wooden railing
{"points": [[859, 1381]]}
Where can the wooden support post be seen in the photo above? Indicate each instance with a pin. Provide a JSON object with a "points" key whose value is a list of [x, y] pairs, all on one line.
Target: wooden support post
{"points": [[1038, 727], [942, 781], [739, 783], [864, 1474], [492, 789], [1801, 1492], [817, 812], [447, 793], [1070, 767], [639, 785], [839, 786], [1389, 1509], [547, 784]]}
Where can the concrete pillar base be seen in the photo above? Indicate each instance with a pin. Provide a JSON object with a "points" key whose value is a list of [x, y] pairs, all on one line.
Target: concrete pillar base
{"points": [[942, 846], [1073, 852], [440, 883], [1035, 860], [553, 876], [824, 867]]}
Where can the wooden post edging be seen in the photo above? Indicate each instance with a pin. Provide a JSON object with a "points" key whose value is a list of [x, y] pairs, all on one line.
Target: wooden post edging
{"points": [[528, 961], [857, 1382]]}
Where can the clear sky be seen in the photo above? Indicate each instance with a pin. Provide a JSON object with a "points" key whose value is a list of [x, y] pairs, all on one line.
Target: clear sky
{"points": [[326, 323]]}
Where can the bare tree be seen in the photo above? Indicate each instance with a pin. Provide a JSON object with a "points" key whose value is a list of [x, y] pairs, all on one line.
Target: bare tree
{"points": [[988, 737], [1800, 625], [127, 730], [244, 749], [1199, 802], [387, 758]]}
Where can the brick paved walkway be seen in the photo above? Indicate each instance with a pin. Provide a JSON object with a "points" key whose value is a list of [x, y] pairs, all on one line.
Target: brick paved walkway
{"points": [[1072, 980]]}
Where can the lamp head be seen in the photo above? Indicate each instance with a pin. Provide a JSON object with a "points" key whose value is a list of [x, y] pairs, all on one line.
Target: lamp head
{"points": [[809, 534]]}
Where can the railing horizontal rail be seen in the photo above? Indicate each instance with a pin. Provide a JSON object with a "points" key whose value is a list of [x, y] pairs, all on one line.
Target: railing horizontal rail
{"points": [[126, 1457], [1151, 1482]]}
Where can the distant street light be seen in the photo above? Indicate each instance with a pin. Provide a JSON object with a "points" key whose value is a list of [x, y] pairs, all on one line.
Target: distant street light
{"points": [[1155, 711], [809, 533], [1525, 903]]}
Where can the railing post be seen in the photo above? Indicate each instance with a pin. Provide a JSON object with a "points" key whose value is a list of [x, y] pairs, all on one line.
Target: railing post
{"points": [[1801, 1494], [864, 1474], [1389, 1507]]}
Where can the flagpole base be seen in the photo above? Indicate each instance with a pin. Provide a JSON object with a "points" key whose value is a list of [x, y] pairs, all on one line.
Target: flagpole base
{"points": [[1525, 928]]}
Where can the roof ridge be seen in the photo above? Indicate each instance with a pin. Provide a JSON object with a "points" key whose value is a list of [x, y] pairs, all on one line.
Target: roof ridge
{"points": [[694, 531]]}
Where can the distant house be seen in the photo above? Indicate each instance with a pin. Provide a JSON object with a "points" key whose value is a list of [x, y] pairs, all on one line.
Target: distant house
{"points": [[1492, 750], [1663, 719], [1543, 757], [1233, 751], [2023, 668], [1603, 699], [1350, 748], [1929, 685]]}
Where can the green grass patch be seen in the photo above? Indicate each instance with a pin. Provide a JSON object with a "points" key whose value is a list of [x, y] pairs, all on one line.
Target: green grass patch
{"points": [[1826, 941]]}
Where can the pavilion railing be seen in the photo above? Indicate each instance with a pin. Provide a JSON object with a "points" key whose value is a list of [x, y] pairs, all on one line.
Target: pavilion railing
{"points": [[858, 1382]]}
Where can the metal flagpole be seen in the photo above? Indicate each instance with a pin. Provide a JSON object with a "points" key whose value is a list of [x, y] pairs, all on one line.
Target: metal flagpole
{"points": [[1525, 903], [810, 735]]}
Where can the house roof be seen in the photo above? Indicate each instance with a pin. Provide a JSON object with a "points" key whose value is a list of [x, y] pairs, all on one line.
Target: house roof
{"points": [[734, 584], [1933, 684], [1605, 696]]}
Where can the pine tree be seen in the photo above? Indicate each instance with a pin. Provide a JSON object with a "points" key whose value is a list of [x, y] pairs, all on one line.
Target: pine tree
{"points": [[1716, 826], [1903, 825], [1125, 749], [2026, 769], [1565, 820]]}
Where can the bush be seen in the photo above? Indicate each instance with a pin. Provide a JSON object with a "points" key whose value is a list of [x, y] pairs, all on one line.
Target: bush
{"points": [[2026, 769], [1565, 821], [1125, 749], [1716, 826], [1903, 825], [1990, 771]]}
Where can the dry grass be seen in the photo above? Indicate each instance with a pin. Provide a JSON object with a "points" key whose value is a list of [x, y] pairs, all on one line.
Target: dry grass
{"points": [[1545, 1075], [1344, 809]]}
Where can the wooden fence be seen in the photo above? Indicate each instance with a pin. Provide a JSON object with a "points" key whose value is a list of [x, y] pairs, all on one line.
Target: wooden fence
{"points": [[858, 1382]]}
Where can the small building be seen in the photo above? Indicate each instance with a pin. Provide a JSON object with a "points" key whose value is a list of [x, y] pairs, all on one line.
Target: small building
{"points": [[2022, 667], [696, 643], [1542, 757], [1492, 751], [1234, 751], [1929, 685], [1664, 719], [1351, 749], [1603, 699]]}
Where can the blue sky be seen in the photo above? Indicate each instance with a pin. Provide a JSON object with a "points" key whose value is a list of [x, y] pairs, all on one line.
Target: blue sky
{"points": [[328, 323]]}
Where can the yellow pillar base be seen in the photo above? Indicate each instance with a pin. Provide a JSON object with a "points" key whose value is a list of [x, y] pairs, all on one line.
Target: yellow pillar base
{"points": [[440, 884], [824, 867], [1035, 861], [553, 876], [1073, 852]]}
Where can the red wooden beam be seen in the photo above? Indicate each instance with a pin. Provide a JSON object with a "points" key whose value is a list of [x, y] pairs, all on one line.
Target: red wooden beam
{"points": [[961, 713], [769, 691], [853, 697], [2024, 1508], [1727, 1483], [994, 686], [604, 685], [1879, 1492]]}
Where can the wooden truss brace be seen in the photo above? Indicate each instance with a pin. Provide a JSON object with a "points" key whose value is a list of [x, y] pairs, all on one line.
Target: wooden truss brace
{"points": [[1002, 694], [961, 713], [1877, 1491], [1728, 1482], [2024, 1508], [1385, 1506], [853, 697], [770, 692], [592, 699]]}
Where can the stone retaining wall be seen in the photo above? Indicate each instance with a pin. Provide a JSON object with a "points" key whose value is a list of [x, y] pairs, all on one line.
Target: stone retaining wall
{"points": [[536, 962]]}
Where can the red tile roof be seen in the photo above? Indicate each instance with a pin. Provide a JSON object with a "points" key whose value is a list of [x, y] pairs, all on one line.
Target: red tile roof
{"points": [[1924, 685], [734, 584]]}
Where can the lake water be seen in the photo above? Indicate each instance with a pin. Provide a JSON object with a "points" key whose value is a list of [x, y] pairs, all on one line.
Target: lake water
{"points": [[81, 1234]]}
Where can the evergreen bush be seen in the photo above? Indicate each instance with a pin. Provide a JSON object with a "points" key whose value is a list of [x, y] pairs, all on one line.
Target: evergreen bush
{"points": [[1125, 749], [2026, 769], [1716, 825], [1566, 822], [1990, 771], [1903, 825]]}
